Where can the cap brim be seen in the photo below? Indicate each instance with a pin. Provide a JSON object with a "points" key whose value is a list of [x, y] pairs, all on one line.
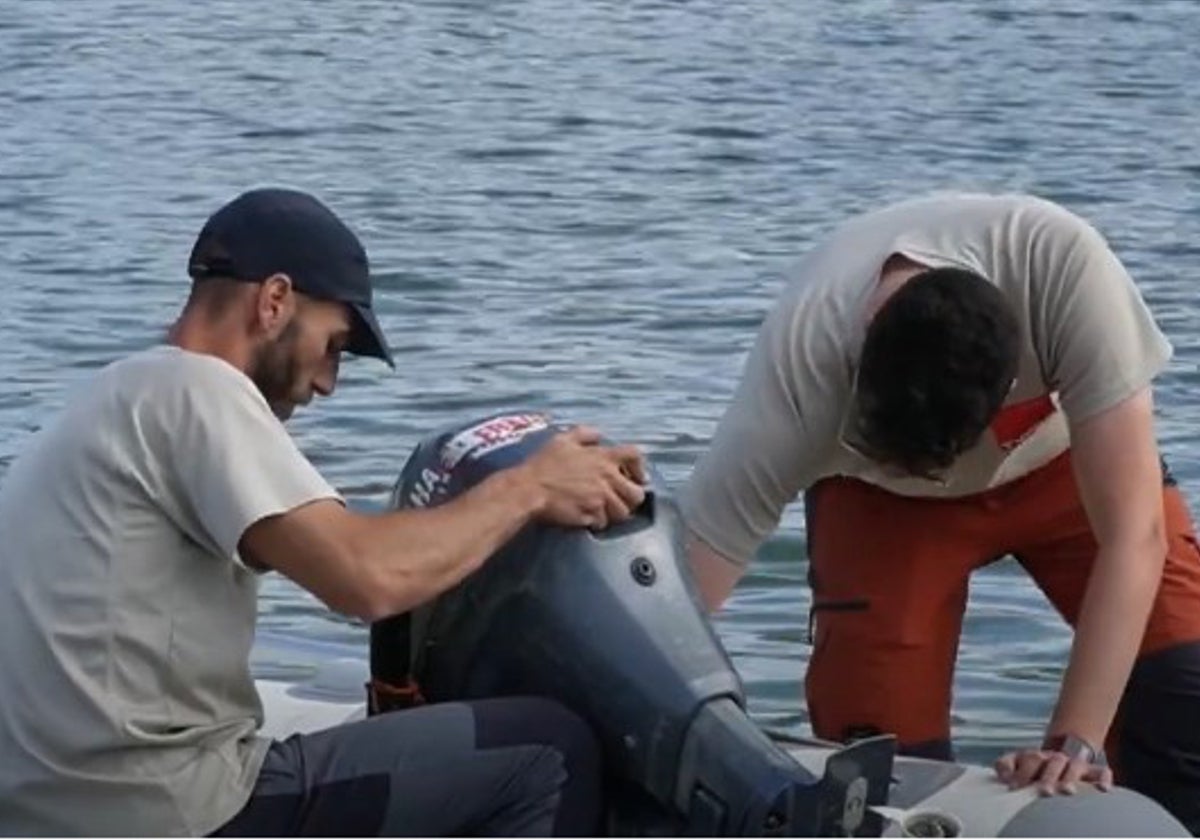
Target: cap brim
{"points": [[367, 339]]}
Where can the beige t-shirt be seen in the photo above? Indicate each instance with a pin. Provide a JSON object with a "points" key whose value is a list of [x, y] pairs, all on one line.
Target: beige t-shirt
{"points": [[1088, 342], [126, 704]]}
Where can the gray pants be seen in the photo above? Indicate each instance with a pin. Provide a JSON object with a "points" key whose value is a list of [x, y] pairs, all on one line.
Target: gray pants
{"points": [[516, 766]]}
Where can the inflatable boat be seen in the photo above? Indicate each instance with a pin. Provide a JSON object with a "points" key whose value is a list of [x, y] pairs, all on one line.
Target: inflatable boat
{"points": [[609, 623]]}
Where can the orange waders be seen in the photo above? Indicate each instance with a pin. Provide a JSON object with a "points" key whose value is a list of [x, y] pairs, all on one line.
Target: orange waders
{"points": [[889, 576]]}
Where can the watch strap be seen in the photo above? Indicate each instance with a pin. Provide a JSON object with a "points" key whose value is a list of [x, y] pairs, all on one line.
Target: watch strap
{"points": [[1074, 747]]}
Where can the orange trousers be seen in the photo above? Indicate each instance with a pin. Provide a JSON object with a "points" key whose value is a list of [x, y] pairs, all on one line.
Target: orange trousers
{"points": [[889, 577]]}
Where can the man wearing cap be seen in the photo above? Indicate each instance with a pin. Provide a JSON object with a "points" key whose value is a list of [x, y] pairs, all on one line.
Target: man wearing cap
{"points": [[950, 380], [136, 526]]}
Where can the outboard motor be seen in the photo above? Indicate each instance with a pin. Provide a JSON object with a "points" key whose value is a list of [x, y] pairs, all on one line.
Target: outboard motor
{"points": [[609, 623]]}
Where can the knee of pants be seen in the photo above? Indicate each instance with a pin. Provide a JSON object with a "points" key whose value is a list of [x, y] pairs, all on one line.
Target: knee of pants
{"points": [[568, 732], [544, 772], [538, 720], [564, 765], [858, 686]]}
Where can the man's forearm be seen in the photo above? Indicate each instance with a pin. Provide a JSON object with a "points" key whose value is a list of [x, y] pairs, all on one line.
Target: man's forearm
{"points": [[715, 575], [1108, 633], [415, 555]]}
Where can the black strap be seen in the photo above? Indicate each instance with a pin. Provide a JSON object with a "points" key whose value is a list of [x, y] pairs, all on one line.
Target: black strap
{"points": [[392, 685]]}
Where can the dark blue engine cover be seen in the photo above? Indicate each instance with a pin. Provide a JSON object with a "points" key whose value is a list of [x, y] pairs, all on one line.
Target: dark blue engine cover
{"points": [[607, 622]]}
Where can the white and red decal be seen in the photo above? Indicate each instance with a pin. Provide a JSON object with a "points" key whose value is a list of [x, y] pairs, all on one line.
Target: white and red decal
{"points": [[489, 436]]}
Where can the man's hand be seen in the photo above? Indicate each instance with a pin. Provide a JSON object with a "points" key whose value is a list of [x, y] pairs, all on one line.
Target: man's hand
{"points": [[1053, 771], [586, 484]]}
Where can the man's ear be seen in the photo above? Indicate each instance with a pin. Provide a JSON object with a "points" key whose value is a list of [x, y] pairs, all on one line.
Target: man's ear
{"points": [[275, 305]]}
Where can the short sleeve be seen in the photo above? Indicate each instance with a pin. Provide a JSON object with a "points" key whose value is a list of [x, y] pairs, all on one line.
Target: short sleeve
{"points": [[775, 434], [1098, 340], [229, 461]]}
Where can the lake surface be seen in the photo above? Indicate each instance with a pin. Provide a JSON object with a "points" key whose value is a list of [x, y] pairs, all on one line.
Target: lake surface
{"points": [[587, 208]]}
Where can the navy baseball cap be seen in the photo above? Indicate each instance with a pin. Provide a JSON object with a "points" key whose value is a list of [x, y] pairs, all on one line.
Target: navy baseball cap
{"points": [[280, 231]]}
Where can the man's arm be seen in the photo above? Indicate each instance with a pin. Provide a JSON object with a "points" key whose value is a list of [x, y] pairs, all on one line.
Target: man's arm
{"points": [[1118, 472], [1119, 476], [775, 435], [373, 566], [715, 575], [1101, 349]]}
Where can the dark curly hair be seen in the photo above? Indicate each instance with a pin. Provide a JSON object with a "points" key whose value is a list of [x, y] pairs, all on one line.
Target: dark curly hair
{"points": [[937, 362]]}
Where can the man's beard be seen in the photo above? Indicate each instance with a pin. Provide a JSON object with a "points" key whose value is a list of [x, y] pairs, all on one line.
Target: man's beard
{"points": [[275, 370]]}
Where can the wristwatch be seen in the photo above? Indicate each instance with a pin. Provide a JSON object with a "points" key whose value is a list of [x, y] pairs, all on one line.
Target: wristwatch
{"points": [[1074, 747]]}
